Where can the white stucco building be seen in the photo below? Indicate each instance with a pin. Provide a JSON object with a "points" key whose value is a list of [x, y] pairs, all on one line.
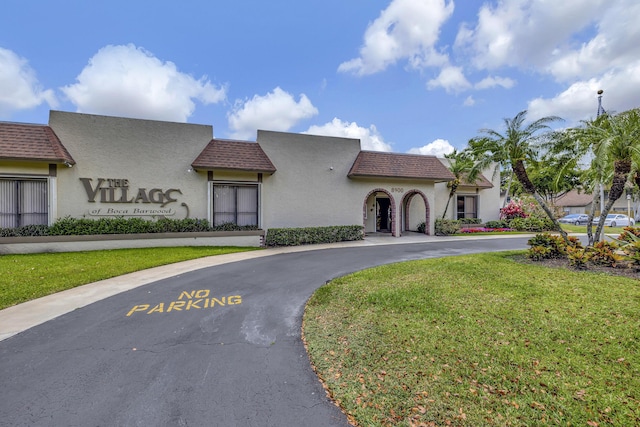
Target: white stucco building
{"points": [[90, 166]]}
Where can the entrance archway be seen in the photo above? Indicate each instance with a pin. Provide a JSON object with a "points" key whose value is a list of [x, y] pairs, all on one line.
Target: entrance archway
{"points": [[385, 212], [406, 209]]}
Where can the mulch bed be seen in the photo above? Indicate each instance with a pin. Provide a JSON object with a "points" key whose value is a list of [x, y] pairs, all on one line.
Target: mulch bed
{"points": [[624, 271]]}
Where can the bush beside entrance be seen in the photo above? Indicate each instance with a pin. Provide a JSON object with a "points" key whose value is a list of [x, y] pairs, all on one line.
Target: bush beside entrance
{"points": [[313, 235]]}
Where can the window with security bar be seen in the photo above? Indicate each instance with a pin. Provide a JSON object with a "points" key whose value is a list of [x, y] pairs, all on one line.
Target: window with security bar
{"points": [[236, 204], [467, 207], [23, 202]]}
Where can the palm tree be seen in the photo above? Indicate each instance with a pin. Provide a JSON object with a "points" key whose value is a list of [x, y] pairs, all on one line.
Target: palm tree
{"points": [[517, 146], [612, 144], [617, 146], [573, 147], [461, 166]]}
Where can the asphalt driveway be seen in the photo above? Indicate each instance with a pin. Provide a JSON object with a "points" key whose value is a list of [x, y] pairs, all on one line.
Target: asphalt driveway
{"points": [[218, 346]]}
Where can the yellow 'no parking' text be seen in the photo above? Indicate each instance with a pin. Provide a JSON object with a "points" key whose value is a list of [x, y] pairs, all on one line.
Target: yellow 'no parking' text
{"points": [[188, 300]]}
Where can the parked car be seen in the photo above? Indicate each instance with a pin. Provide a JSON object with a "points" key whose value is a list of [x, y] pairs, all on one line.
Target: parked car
{"points": [[575, 219], [618, 220]]}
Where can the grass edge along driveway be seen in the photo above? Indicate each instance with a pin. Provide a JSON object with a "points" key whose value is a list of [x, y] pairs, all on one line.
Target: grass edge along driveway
{"points": [[478, 340], [29, 276]]}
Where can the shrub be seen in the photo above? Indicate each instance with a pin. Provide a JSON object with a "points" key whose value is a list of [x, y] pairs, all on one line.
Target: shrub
{"points": [[422, 227], [574, 242], [546, 246], [629, 242], [497, 224], [578, 257], [604, 253], [470, 230], [470, 221], [629, 234], [513, 209], [313, 235], [538, 253], [533, 224], [27, 230], [82, 226], [445, 227]]}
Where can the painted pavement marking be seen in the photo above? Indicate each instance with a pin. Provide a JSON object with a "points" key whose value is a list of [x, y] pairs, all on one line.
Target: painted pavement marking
{"points": [[188, 300]]}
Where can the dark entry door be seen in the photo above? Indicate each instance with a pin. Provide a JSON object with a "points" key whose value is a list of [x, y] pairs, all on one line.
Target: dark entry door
{"points": [[383, 221]]}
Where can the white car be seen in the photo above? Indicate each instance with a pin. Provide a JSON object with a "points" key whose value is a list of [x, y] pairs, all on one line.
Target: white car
{"points": [[618, 220]]}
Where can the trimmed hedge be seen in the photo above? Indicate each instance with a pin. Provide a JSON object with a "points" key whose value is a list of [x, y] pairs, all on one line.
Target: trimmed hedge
{"points": [[445, 227], [81, 226], [313, 235], [28, 230], [532, 224], [470, 221], [503, 223]]}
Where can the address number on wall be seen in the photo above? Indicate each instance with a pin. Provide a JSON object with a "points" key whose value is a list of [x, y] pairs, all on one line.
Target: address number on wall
{"points": [[397, 190]]}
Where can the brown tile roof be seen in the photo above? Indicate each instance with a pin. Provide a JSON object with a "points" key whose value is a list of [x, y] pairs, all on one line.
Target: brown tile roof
{"points": [[234, 155], [394, 165], [481, 182], [19, 141], [573, 198]]}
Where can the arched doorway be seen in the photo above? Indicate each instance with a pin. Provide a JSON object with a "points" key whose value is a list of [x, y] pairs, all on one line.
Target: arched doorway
{"points": [[379, 212], [415, 212]]}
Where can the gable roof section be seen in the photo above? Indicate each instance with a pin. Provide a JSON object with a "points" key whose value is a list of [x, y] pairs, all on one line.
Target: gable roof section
{"points": [[481, 182], [394, 165], [573, 198], [233, 155], [32, 142]]}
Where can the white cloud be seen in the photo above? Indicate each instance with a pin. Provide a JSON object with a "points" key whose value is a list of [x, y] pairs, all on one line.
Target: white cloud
{"points": [[370, 138], [406, 29], [129, 81], [438, 148], [277, 110], [19, 86], [579, 100], [451, 79], [524, 33], [584, 46], [469, 101], [490, 82], [615, 45]]}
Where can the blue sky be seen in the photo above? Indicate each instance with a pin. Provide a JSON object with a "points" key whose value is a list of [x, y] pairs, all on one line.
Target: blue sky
{"points": [[421, 76]]}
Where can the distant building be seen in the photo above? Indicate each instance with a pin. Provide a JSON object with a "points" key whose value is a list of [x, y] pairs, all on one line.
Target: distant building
{"points": [[90, 166], [575, 202]]}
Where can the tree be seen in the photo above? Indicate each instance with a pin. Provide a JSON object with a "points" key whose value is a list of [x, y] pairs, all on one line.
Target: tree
{"points": [[515, 148], [617, 147], [461, 166], [575, 146], [553, 176]]}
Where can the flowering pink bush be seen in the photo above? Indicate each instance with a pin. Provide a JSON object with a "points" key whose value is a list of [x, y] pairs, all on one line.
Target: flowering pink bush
{"points": [[514, 209], [482, 230]]}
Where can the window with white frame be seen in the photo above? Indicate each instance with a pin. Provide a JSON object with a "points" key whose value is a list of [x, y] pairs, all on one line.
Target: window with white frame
{"points": [[23, 202], [235, 203], [467, 207]]}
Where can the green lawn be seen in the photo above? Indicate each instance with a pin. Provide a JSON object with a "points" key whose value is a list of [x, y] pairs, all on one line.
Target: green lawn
{"points": [[30, 276], [478, 341], [583, 229]]}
